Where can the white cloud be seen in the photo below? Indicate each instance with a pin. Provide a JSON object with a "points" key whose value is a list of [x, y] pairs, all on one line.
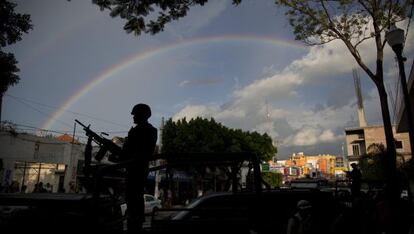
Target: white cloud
{"points": [[183, 83], [267, 127], [297, 124], [311, 135], [193, 111], [276, 87]]}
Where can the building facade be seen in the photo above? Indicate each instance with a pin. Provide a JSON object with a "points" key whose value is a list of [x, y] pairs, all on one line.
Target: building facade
{"points": [[402, 121], [29, 159], [358, 140], [314, 166]]}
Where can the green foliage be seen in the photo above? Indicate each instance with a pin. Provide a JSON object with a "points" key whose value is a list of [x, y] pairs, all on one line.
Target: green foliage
{"points": [[319, 22], [8, 70], [140, 15], [207, 136], [372, 164], [274, 179], [12, 26]]}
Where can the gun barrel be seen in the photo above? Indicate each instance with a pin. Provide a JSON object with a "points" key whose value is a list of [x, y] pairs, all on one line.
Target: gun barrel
{"points": [[81, 124], [104, 143]]}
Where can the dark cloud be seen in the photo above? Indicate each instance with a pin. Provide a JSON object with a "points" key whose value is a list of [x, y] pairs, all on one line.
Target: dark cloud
{"points": [[318, 107], [341, 94], [333, 148]]}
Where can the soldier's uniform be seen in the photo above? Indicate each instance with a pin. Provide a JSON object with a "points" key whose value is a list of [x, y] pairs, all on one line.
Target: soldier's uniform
{"points": [[138, 147]]}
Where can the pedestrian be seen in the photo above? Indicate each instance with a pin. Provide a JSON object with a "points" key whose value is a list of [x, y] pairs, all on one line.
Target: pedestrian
{"points": [[36, 188], [302, 221], [355, 177], [23, 189], [40, 188], [136, 153], [169, 200], [48, 188], [72, 187], [161, 196]]}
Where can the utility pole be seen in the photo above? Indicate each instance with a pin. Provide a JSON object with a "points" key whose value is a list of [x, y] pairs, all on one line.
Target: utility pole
{"points": [[74, 131], [157, 162]]}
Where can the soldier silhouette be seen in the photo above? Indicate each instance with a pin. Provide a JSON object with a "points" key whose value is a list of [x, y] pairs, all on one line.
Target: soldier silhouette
{"points": [[355, 176], [137, 151]]}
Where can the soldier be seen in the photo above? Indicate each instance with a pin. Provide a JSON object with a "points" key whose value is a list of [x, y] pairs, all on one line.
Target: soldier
{"points": [[302, 221], [137, 151], [355, 176]]}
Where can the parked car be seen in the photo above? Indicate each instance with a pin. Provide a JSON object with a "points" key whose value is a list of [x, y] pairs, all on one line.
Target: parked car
{"points": [[247, 212], [151, 204]]}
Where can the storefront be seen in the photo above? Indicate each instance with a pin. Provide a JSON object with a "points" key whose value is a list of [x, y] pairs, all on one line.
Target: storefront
{"points": [[28, 174], [28, 160]]}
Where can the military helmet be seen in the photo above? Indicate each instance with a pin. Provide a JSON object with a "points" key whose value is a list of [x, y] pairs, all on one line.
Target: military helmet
{"points": [[141, 109], [304, 204]]}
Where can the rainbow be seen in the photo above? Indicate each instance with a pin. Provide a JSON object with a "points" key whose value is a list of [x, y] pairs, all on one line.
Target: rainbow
{"points": [[136, 58]]}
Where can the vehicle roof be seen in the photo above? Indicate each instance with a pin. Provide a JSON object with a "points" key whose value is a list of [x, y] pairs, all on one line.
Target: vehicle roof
{"points": [[280, 199]]}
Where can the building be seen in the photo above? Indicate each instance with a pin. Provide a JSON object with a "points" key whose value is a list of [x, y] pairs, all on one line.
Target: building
{"points": [[341, 166], [358, 139], [402, 122], [314, 166], [29, 159]]}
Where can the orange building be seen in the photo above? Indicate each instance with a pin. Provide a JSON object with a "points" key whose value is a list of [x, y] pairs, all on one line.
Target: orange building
{"points": [[298, 160], [321, 163]]}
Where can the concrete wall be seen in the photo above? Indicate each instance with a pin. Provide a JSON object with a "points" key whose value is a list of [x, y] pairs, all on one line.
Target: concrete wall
{"points": [[376, 134], [21, 147]]}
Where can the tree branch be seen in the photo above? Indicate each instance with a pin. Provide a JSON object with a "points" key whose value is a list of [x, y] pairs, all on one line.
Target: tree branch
{"points": [[362, 40], [366, 8]]}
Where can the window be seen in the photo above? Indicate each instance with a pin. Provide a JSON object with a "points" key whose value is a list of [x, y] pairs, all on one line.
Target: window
{"points": [[149, 199], [399, 146], [355, 150]]}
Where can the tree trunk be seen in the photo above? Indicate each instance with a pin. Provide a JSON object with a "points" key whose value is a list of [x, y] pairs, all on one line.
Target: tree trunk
{"points": [[390, 160]]}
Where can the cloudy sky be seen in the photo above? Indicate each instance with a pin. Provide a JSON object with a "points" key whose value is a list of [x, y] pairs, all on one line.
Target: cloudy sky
{"points": [[239, 65]]}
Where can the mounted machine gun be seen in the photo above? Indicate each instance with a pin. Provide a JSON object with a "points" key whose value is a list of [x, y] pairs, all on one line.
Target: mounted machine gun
{"points": [[104, 144]]}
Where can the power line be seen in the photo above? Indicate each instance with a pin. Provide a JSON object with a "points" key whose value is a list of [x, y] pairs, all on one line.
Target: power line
{"points": [[37, 129], [39, 111], [27, 128], [69, 111]]}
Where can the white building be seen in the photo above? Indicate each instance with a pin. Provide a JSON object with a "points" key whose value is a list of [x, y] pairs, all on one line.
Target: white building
{"points": [[28, 159]]}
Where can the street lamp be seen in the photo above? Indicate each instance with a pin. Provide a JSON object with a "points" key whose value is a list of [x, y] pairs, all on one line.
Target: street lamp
{"points": [[395, 38]]}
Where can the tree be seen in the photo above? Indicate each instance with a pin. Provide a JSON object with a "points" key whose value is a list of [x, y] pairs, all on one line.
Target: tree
{"points": [[372, 164], [136, 13], [207, 136], [12, 27], [274, 179], [352, 22]]}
